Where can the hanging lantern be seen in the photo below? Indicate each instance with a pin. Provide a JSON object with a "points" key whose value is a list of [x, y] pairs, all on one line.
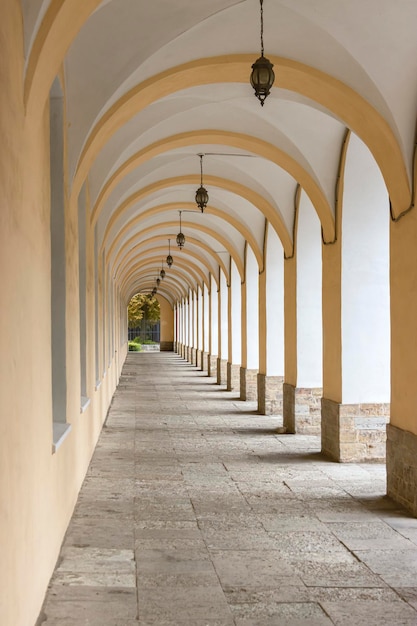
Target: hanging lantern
{"points": [[201, 195], [169, 259], [262, 76], [180, 237]]}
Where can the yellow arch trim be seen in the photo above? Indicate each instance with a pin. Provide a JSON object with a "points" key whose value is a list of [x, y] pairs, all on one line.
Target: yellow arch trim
{"points": [[251, 196], [236, 140], [125, 263], [176, 285], [200, 244], [334, 95], [60, 25], [208, 231], [137, 286], [188, 271], [245, 232]]}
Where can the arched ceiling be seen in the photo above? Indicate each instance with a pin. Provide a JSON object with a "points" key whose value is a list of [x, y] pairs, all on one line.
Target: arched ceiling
{"points": [[150, 85]]}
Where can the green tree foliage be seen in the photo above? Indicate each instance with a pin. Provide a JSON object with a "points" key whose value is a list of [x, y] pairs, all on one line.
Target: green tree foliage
{"points": [[143, 306]]}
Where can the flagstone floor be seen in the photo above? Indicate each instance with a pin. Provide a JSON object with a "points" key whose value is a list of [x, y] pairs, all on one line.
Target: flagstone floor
{"points": [[196, 511]]}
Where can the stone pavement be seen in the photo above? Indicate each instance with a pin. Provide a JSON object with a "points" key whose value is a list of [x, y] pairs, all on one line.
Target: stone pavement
{"points": [[195, 511]]}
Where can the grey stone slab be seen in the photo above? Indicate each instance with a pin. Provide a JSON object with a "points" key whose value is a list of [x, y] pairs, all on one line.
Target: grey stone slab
{"points": [[409, 594], [99, 532], [175, 539], [303, 544], [286, 590], [398, 568], [371, 613], [156, 562], [374, 535], [253, 569], [90, 604], [176, 603], [282, 614], [251, 539], [326, 571], [288, 523]]}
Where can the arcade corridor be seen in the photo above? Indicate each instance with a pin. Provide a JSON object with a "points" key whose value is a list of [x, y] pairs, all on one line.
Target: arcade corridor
{"points": [[195, 510]]}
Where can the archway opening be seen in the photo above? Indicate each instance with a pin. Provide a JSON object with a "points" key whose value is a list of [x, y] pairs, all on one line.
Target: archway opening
{"points": [[144, 323]]}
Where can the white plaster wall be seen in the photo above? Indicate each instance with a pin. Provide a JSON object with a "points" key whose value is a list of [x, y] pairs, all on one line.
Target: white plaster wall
{"points": [[224, 342], [199, 318], [236, 316], [365, 280], [309, 298], [195, 318], [206, 325], [252, 294], [274, 305], [214, 317]]}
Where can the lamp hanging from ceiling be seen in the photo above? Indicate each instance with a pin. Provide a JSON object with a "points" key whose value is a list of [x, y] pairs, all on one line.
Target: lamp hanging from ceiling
{"points": [[158, 282], [162, 272], [169, 258], [201, 195], [180, 237], [262, 76]]}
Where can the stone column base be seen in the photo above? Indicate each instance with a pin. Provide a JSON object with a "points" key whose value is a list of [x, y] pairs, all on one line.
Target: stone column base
{"points": [[204, 362], [233, 377], [212, 365], [248, 384], [270, 394], [221, 371], [194, 356], [166, 346], [402, 467], [183, 351], [302, 409], [354, 433]]}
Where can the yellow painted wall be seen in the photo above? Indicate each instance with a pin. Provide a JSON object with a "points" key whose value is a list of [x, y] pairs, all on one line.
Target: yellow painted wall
{"points": [[38, 489], [167, 319]]}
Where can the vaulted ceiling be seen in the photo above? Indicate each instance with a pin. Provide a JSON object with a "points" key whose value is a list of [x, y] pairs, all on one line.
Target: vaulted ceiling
{"points": [[150, 85]]}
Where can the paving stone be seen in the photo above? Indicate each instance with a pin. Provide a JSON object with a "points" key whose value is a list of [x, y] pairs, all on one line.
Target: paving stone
{"points": [[285, 614], [253, 569], [398, 568], [371, 613], [409, 594], [176, 603], [195, 511], [369, 535]]}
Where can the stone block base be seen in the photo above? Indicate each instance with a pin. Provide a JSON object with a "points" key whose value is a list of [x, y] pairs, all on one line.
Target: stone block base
{"points": [[402, 467], [166, 346], [248, 384], [212, 365], [302, 409], [270, 394], [193, 356], [353, 433], [204, 362], [221, 371], [233, 377], [183, 351]]}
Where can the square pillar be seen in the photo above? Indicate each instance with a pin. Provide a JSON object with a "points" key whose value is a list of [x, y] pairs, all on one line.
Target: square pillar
{"points": [[302, 409], [233, 377], [354, 433], [221, 371], [248, 384], [270, 394], [212, 364], [402, 467]]}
